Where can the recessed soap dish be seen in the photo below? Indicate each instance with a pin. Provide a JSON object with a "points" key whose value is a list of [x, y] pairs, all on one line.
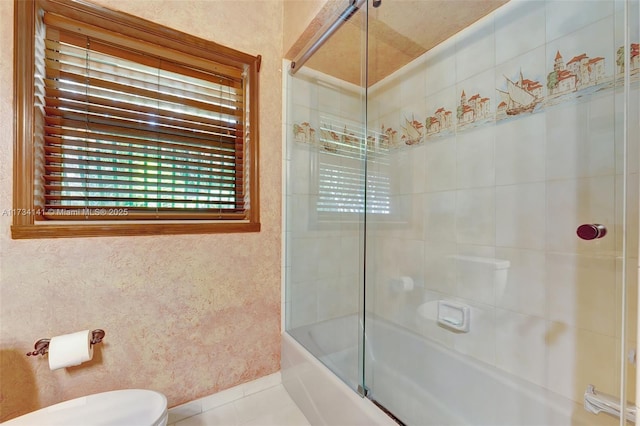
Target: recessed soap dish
{"points": [[454, 316]]}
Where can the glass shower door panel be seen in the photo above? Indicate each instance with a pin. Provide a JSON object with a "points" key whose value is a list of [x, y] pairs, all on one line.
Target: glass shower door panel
{"points": [[325, 202], [493, 294]]}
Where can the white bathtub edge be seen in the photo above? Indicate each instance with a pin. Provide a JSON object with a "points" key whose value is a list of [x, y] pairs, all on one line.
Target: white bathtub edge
{"points": [[322, 396]]}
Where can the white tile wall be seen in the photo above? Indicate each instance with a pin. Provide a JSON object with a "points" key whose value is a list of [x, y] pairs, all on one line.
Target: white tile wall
{"points": [[520, 150], [514, 189]]}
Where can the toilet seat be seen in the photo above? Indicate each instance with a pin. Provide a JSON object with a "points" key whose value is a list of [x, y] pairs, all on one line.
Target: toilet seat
{"points": [[115, 408]]}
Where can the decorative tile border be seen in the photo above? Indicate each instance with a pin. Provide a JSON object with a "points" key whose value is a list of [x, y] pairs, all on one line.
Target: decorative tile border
{"points": [[580, 76]]}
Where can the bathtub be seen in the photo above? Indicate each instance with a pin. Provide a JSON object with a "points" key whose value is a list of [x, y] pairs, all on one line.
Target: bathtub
{"points": [[416, 379]]}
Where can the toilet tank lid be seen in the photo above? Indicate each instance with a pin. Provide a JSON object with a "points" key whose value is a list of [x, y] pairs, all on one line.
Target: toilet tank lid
{"points": [[120, 407]]}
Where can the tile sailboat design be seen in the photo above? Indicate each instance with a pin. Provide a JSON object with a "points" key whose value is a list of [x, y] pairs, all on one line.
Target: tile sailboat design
{"points": [[412, 132], [518, 98]]}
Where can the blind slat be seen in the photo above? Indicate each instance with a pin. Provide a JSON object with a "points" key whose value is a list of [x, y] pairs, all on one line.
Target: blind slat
{"points": [[123, 125], [97, 166], [92, 200], [159, 184], [57, 125], [91, 85], [215, 194], [82, 157], [57, 144], [133, 50], [66, 174], [59, 99]]}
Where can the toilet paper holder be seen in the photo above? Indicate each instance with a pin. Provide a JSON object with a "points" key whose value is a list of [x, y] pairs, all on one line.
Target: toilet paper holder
{"points": [[42, 346]]}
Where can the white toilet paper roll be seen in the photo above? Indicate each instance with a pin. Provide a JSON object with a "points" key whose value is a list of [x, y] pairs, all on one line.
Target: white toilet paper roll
{"points": [[407, 283], [70, 349], [402, 284]]}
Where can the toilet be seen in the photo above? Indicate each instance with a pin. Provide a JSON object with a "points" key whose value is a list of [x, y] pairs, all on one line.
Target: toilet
{"points": [[115, 408]]}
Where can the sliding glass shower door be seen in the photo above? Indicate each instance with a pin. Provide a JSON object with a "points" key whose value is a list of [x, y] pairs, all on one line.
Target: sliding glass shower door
{"points": [[325, 196], [462, 208], [501, 279]]}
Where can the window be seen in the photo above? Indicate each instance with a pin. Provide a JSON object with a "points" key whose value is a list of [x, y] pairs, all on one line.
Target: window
{"points": [[124, 127]]}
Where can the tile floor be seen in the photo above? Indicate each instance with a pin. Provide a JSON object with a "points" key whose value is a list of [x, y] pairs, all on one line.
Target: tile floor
{"points": [[263, 402]]}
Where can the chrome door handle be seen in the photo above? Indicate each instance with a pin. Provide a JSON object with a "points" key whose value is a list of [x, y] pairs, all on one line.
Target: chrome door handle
{"points": [[591, 231]]}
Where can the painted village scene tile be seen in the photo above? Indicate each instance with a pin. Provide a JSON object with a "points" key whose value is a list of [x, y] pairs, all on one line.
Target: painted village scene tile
{"points": [[519, 91]]}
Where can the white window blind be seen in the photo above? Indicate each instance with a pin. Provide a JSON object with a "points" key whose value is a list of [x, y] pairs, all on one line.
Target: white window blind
{"points": [[125, 129]]}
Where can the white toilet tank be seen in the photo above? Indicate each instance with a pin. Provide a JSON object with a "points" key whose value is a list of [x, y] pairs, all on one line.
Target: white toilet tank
{"points": [[116, 408]]}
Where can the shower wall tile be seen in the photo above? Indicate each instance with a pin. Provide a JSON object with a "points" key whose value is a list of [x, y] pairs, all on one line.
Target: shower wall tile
{"points": [[520, 216], [419, 181], [581, 292], [439, 216], [520, 345], [440, 67], [519, 29], [475, 158], [410, 258], [329, 255], [475, 49], [523, 289], [426, 317], [520, 85], [440, 267], [580, 139], [601, 136], [476, 279], [633, 24], [481, 343], [304, 255], [407, 169], [564, 17], [299, 178], [407, 217], [520, 150], [577, 358], [633, 132], [566, 132], [630, 373], [475, 250], [595, 42], [302, 114], [631, 185], [475, 216], [298, 213], [631, 305], [350, 254], [352, 105], [573, 202], [440, 165], [440, 119], [337, 297], [412, 87], [329, 98], [475, 101], [304, 310], [388, 100], [303, 92]]}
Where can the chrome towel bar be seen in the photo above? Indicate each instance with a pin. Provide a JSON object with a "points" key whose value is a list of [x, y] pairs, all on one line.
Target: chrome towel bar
{"points": [[596, 402]]}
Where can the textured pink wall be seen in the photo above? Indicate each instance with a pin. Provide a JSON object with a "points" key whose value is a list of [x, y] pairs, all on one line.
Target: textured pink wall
{"points": [[185, 315]]}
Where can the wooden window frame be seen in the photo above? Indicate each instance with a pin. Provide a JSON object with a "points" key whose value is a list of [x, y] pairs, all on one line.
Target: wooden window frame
{"points": [[25, 224]]}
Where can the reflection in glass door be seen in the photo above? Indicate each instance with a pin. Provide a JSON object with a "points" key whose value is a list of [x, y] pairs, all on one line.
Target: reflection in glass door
{"points": [[325, 196], [507, 146], [462, 208]]}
